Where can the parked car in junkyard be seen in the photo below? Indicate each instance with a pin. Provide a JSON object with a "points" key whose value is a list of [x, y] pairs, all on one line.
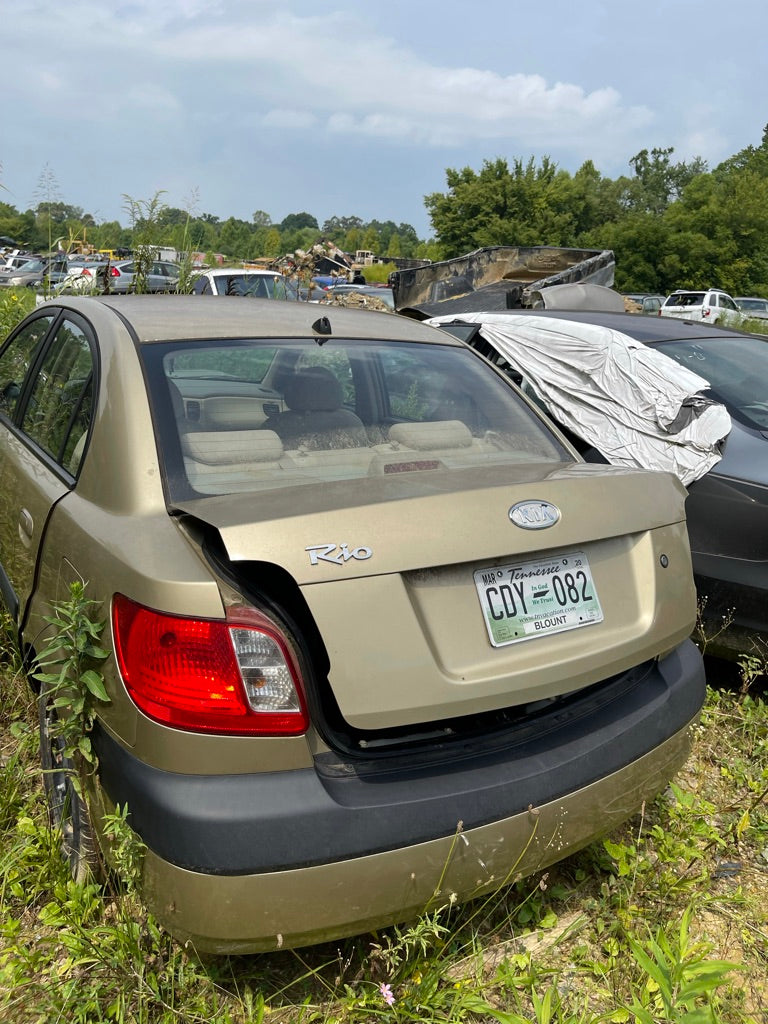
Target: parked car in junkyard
{"points": [[81, 274], [119, 277], [710, 305], [378, 637], [163, 276], [35, 273], [254, 283], [727, 505], [752, 307], [649, 303], [14, 259]]}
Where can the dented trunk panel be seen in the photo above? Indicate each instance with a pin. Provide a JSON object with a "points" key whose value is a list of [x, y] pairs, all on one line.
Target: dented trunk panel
{"points": [[393, 592], [427, 630]]}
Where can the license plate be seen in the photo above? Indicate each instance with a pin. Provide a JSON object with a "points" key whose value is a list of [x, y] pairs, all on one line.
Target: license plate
{"points": [[537, 598]]}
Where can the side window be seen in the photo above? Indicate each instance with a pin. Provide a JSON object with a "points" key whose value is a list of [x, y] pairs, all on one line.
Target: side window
{"points": [[16, 360], [728, 303], [58, 410]]}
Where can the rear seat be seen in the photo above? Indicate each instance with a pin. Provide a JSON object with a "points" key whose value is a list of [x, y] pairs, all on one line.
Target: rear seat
{"points": [[432, 435], [220, 461]]}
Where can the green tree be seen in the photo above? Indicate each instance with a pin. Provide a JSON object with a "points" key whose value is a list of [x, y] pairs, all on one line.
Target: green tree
{"points": [[352, 240], [18, 226], [273, 243], [371, 240], [522, 205], [394, 248], [235, 238], [658, 181], [297, 221], [336, 228], [262, 219]]}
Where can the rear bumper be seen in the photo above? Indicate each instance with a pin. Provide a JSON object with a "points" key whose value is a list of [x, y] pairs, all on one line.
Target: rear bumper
{"points": [[249, 838], [274, 821], [249, 913]]}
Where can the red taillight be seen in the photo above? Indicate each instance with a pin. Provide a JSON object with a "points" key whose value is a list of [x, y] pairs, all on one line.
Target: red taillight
{"points": [[85, 272], [233, 676], [114, 272]]}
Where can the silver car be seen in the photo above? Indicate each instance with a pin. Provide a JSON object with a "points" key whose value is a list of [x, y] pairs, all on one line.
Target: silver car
{"points": [[162, 277]]}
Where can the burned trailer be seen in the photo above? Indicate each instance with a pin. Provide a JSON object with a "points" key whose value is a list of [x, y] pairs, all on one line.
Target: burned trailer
{"points": [[497, 278]]}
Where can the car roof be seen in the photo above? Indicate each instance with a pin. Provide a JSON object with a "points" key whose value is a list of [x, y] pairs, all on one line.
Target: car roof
{"points": [[647, 329], [184, 317], [241, 272]]}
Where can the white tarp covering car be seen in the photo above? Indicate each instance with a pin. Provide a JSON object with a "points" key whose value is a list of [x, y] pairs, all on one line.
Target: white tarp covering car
{"points": [[636, 406]]}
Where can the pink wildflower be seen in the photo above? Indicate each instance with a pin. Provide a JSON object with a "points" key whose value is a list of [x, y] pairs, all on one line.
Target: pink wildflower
{"points": [[386, 994]]}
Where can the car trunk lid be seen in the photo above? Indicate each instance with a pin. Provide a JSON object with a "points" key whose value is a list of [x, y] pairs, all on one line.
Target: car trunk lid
{"points": [[398, 575]]}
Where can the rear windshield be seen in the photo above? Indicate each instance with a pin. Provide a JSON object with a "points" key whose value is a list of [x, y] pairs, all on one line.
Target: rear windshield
{"points": [[685, 299], [736, 368], [257, 414], [257, 286]]}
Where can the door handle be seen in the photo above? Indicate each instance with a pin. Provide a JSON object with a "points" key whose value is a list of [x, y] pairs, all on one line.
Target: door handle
{"points": [[26, 524]]}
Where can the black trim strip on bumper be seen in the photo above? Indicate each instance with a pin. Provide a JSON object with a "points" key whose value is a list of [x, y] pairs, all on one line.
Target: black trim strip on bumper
{"points": [[271, 821]]}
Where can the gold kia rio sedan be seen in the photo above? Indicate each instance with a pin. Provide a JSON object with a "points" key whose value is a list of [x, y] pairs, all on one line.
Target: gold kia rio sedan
{"points": [[378, 638]]}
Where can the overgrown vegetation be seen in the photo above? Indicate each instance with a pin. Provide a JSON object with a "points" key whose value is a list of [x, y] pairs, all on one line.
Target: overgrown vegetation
{"points": [[15, 303], [666, 920]]}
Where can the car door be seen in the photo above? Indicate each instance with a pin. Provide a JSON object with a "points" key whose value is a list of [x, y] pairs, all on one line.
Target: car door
{"points": [[731, 314], [43, 432]]}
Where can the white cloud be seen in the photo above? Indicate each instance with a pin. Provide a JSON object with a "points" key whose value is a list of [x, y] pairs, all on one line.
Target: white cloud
{"points": [[298, 71], [297, 120]]}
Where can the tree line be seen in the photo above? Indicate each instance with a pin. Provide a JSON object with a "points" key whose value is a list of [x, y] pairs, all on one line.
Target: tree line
{"points": [[51, 222], [671, 224]]}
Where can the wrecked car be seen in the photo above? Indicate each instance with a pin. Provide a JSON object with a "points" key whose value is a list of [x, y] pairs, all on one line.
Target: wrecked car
{"points": [[498, 277], [377, 637], [709, 427]]}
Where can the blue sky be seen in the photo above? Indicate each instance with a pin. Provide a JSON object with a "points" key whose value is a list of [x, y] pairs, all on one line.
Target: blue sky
{"points": [[232, 106]]}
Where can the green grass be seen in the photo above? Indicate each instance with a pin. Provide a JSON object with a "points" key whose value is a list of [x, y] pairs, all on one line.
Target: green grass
{"points": [[643, 927]]}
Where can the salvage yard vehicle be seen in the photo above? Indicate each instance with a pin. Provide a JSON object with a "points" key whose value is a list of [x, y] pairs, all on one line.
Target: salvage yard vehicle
{"points": [[497, 277], [727, 504], [379, 638], [255, 284], [34, 273], [752, 307], [710, 305]]}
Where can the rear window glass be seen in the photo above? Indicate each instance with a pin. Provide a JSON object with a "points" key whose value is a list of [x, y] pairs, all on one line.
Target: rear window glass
{"points": [[736, 368], [259, 415], [686, 299]]}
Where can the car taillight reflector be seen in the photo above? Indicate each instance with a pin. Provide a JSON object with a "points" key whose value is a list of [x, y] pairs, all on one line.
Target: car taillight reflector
{"points": [[234, 676]]}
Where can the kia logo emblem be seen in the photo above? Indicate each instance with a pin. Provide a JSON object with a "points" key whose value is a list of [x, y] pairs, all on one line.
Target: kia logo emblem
{"points": [[534, 515]]}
